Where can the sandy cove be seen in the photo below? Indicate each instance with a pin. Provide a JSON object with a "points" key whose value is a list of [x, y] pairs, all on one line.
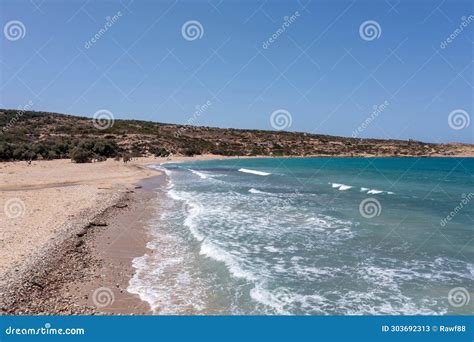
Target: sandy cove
{"points": [[69, 233]]}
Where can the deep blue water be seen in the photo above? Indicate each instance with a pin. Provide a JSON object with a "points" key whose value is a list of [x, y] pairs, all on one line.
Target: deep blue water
{"points": [[312, 236]]}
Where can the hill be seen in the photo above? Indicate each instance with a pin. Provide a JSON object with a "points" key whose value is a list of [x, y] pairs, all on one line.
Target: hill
{"points": [[28, 135]]}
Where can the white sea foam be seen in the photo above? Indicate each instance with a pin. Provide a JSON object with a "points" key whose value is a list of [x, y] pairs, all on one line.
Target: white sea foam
{"points": [[283, 300], [341, 187], [256, 191], [271, 249], [165, 277], [267, 298], [374, 192], [323, 222], [212, 251], [255, 172], [200, 174], [344, 187], [194, 210]]}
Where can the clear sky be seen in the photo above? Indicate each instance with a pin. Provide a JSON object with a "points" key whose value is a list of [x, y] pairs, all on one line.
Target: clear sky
{"points": [[322, 68]]}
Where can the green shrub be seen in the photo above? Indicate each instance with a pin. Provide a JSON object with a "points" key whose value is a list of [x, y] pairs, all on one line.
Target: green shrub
{"points": [[159, 152], [80, 155], [190, 152]]}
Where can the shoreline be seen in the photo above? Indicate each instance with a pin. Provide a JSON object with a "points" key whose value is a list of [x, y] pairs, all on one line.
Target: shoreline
{"points": [[76, 265], [84, 266]]}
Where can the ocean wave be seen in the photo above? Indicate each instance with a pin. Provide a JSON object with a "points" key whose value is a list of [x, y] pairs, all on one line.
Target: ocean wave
{"points": [[194, 210], [156, 281], [345, 187], [271, 249], [217, 253], [254, 172], [284, 301], [341, 187], [200, 174], [328, 222], [256, 191], [375, 191]]}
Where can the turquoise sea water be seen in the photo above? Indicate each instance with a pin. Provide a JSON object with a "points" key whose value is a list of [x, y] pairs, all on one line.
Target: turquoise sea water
{"points": [[312, 236]]}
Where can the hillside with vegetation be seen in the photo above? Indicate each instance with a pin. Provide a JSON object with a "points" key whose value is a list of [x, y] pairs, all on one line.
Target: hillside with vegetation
{"points": [[42, 135]]}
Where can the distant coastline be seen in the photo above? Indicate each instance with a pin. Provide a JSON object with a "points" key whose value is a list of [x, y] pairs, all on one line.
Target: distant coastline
{"points": [[28, 135]]}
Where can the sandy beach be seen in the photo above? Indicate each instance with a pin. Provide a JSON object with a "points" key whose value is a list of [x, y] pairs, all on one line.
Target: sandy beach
{"points": [[69, 233]]}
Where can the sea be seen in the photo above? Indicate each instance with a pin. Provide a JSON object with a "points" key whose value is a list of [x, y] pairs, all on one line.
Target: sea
{"points": [[311, 236]]}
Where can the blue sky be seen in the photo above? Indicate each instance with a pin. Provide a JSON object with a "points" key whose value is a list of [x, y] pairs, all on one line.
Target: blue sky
{"points": [[320, 70]]}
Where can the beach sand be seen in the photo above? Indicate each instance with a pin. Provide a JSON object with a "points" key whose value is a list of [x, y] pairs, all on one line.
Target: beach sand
{"points": [[69, 233]]}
